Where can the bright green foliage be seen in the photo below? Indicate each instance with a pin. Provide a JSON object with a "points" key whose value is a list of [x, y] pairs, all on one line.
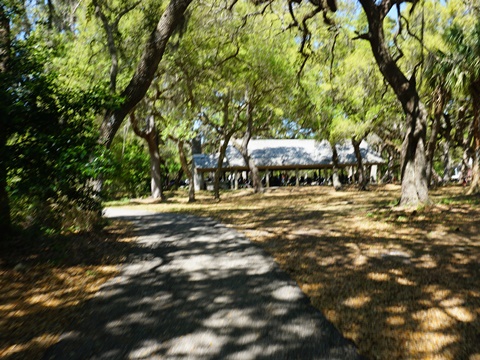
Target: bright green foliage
{"points": [[127, 175], [51, 140]]}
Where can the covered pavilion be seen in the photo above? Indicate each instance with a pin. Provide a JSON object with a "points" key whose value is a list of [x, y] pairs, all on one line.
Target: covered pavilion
{"points": [[283, 155]]}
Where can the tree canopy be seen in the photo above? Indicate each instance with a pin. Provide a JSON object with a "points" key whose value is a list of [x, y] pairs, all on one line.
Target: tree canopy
{"points": [[226, 72]]}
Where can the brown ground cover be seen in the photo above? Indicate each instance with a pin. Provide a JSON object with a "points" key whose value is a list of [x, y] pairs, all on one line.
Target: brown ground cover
{"points": [[401, 284], [44, 284]]}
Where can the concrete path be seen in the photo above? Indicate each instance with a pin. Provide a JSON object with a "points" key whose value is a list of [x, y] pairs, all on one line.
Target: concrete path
{"points": [[194, 289]]}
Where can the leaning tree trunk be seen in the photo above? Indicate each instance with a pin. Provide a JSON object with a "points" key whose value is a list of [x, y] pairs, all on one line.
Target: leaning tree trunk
{"points": [[337, 185], [146, 68], [475, 92], [414, 175], [362, 179], [5, 217]]}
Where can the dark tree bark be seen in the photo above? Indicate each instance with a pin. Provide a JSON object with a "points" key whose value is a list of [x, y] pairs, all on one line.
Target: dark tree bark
{"points": [[5, 217], [146, 68], [149, 133], [362, 178], [447, 161], [414, 174], [475, 93]]}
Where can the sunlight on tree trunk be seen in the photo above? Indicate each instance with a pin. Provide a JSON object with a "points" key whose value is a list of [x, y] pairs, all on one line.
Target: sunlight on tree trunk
{"points": [[337, 185], [150, 135], [155, 167], [414, 176]]}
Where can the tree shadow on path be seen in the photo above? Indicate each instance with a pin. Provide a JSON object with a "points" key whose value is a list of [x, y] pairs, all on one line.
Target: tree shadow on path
{"points": [[198, 290]]}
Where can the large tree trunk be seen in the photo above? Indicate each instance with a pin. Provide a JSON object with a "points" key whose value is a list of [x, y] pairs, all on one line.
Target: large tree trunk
{"points": [[150, 135], [475, 92], [256, 180], [146, 68], [5, 217], [362, 179], [414, 175]]}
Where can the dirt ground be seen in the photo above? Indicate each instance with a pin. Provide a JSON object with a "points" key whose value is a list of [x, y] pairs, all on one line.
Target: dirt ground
{"points": [[44, 284], [400, 284]]}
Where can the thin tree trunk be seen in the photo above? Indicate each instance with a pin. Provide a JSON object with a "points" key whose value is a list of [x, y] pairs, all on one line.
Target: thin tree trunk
{"points": [[219, 170], [155, 166], [439, 99], [431, 146], [475, 92], [243, 148], [337, 185], [362, 179], [447, 161], [5, 217], [187, 170], [146, 68], [228, 129]]}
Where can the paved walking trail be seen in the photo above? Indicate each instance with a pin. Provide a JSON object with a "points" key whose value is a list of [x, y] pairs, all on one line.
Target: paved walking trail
{"points": [[194, 289]]}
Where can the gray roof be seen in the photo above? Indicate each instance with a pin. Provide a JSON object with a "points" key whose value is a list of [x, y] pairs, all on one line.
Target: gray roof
{"points": [[289, 154]]}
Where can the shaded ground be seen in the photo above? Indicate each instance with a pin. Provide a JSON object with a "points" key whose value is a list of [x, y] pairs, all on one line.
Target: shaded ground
{"points": [[402, 285], [44, 284], [195, 289]]}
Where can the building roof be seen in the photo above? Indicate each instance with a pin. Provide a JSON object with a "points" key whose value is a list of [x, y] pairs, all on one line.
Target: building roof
{"points": [[289, 154]]}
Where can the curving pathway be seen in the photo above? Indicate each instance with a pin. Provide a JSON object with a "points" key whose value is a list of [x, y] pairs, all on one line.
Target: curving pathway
{"points": [[195, 289]]}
